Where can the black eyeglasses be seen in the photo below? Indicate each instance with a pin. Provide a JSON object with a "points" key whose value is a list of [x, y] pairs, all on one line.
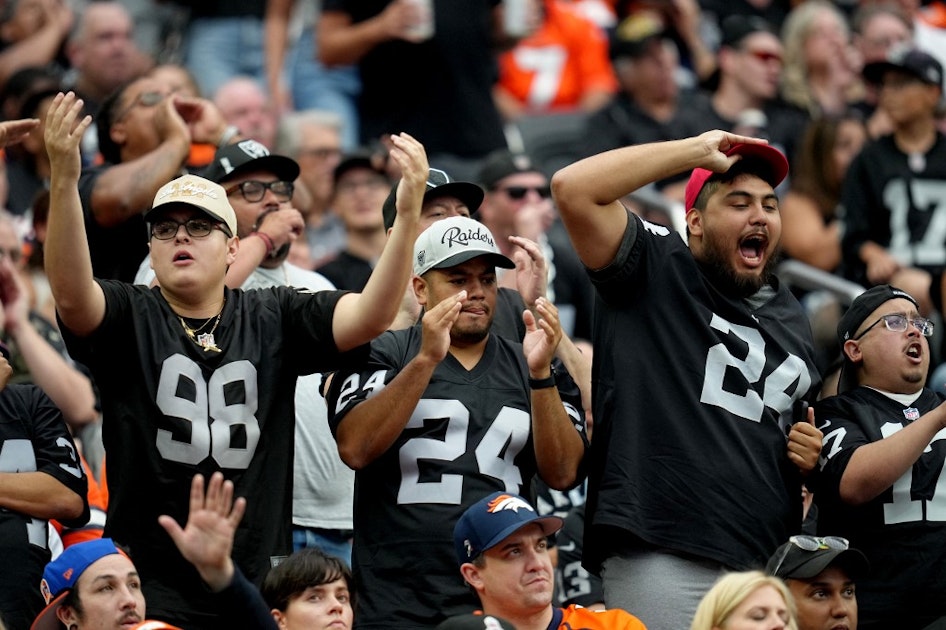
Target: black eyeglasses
{"points": [[254, 190], [897, 322], [166, 229], [812, 543], [519, 192], [145, 99]]}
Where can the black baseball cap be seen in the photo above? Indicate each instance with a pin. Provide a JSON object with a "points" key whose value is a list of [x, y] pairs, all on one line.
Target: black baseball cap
{"points": [[912, 61], [357, 159], [737, 27], [249, 155], [439, 184], [634, 33], [503, 163], [791, 562], [859, 310]]}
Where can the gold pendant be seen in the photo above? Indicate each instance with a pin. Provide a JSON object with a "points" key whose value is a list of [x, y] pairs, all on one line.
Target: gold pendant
{"points": [[207, 342]]}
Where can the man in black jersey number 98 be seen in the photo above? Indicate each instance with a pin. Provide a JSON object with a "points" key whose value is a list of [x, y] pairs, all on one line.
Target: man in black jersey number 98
{"points": [[196, 377], [699, 358]]}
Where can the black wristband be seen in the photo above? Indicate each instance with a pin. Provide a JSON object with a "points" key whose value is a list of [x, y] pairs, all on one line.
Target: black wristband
{"points": [[542, 383]]}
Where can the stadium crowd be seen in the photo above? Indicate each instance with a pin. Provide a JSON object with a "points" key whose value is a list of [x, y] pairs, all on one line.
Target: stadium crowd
{"points": [[465, 314]]}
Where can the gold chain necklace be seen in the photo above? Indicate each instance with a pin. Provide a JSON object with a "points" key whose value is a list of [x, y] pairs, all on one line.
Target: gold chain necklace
{"points": [[204, 340]]}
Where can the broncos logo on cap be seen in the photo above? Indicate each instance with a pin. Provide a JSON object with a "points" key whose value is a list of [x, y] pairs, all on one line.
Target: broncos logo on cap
{"points": [[507, 502]]}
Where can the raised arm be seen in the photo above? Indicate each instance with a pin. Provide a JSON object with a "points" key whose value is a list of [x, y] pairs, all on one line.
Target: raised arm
{"points": [[559, 448], [276, 34], [588, 192], [79, 299], [341, 42], [69, 389], [371, 427], [360, 317], [876, 466]]}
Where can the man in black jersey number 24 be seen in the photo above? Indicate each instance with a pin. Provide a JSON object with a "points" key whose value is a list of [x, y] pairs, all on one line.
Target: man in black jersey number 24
{"points": [[699, 358]]}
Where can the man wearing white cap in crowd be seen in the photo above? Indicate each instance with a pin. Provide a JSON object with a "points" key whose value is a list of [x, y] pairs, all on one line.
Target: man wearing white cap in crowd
{"points": [[502, 546], [442, 414], [700, 355], [196, 377]]}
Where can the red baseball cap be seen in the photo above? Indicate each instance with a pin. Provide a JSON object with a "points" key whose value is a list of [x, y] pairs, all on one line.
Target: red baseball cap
{"points": [[774, 174]]}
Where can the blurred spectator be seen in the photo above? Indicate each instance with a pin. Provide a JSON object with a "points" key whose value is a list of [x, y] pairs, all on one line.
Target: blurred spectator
{"points": [[243, 103], [314, 140], [32, 33], [145, 134], [518, 202], [894, 227], [820, 75], [296, 78], [177, 78], [360, 191], [810, 226], [309, 590], [646, 109], [224, 40], [743, 600], [877, 29], [102, 52], [746, 98], [438, 89], [27, 164], [561, 65]]}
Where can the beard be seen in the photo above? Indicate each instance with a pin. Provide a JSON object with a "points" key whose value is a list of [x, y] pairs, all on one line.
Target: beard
{"points": [[716, 264], [464, 334]]}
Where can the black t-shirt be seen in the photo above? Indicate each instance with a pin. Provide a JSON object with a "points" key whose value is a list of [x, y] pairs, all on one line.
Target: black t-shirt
{"points": [[172, 409], [347, 272], [469, 435], [439, 91], [622, 123], [693, 398], [33, 438], [898, 206], [116, 251], [903, 530]]}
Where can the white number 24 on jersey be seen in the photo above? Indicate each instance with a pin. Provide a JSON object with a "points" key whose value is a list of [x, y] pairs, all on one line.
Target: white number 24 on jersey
{"points": [[495, 454], [750, 405]]}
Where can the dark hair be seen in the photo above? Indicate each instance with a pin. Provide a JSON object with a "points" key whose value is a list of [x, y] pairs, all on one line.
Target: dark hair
{"points": [[105, 118], [304, 569], [814, 173], [72, 600]]}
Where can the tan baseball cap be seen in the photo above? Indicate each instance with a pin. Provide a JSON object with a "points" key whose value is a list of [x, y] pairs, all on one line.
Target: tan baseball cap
{"points": [[200, 193]]}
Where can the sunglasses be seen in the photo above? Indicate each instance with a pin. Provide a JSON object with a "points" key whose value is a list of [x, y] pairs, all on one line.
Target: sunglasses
{"points": [[166, 229], [896, 322], [520, 192], [253, 190], [764, 56], [812, 543], [145, 99]]}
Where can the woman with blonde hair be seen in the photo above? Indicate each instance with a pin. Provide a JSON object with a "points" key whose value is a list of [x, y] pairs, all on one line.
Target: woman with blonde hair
{"points": [[750, 600]]}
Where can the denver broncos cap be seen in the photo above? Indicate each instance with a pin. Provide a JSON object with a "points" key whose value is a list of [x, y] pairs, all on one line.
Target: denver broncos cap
{"points": [[60, 577], [761, 159], [494, 518]]}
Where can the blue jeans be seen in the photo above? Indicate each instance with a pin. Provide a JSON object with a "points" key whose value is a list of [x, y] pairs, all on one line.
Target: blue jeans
{"points": [[334, 542], [314, 86], [218, 49]]}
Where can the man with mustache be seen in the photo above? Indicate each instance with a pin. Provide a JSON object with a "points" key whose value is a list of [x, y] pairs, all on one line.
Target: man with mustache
{"points": [[441, 415], [699, 358]]}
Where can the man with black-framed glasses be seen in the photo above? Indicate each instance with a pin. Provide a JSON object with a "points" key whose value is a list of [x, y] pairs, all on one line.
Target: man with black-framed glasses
{"points": [[884, 447]]}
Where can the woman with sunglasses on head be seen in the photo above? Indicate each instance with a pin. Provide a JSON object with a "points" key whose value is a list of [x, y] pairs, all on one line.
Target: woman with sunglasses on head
{"points": [[749, 600], [881, 484]]}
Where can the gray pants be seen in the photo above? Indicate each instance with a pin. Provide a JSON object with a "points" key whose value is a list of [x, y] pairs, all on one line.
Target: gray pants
{"points": [[660, 588]]}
